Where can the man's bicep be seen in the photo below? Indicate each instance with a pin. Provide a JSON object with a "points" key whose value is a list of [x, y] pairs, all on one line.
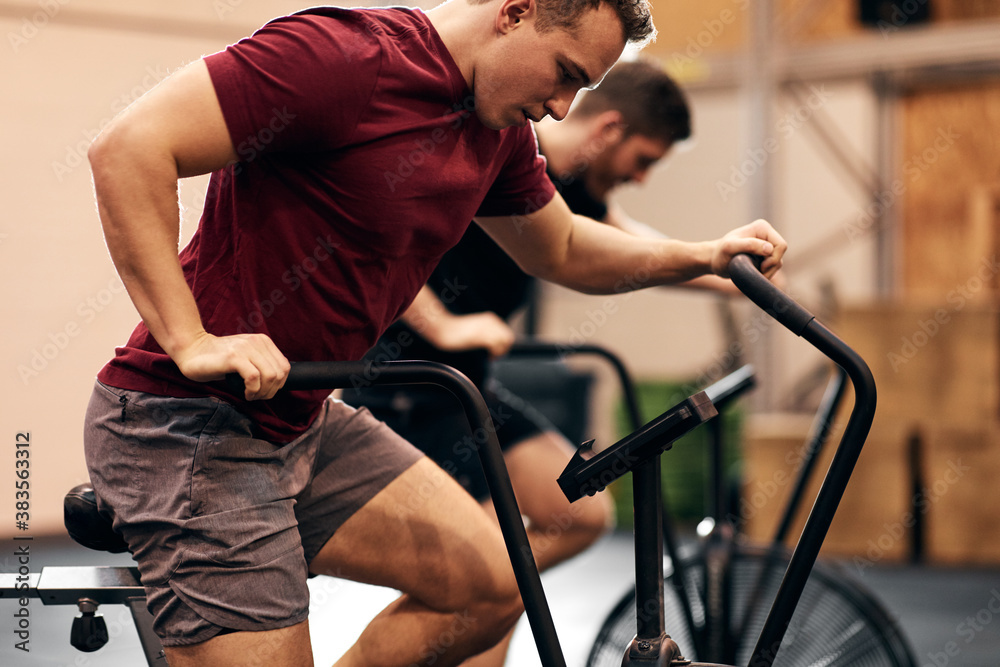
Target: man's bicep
{"points": [[538, 241], [182, 117]]}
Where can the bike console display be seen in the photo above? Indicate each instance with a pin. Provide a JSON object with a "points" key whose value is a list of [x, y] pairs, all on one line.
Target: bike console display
{"points": [[586, 476]]}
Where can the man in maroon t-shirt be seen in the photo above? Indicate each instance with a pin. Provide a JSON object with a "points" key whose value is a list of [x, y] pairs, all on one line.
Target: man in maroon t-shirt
{"points": [[349, 149]]}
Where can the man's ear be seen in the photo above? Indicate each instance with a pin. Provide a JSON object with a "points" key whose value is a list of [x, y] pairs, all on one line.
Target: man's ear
{"points": [[609, 125], [513, 13]]}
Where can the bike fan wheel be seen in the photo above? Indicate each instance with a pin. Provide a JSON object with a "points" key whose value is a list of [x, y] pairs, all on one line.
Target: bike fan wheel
{"points": [[837, 622]]}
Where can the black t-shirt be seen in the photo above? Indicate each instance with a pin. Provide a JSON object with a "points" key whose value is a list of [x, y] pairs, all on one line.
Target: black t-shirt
{"points": [[477, 276]]}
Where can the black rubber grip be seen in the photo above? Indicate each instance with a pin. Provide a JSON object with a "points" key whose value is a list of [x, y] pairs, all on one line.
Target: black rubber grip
{"points": [[745, 273]]}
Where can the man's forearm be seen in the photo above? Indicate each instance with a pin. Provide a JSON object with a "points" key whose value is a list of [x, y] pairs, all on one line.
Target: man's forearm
{"points": [[601, 259], [137, 201]]}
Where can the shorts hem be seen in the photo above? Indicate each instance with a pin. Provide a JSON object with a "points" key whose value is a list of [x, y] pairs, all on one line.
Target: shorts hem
{"points": [[219, 629], [333, 527]]}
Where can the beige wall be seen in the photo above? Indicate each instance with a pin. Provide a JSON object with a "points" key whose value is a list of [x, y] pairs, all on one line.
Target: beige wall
{"points": [[66, 71], [64, 76]]}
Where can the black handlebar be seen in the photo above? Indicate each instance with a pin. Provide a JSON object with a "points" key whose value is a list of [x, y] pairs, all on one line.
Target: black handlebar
{"points": [[343, 374], [536, 348], [745, 274], [798, 320]]}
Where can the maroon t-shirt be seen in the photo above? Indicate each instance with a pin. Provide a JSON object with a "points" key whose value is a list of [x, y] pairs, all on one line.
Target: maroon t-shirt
{"points": [[361, 164]]}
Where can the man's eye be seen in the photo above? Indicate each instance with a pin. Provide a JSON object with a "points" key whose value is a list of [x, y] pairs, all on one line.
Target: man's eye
{"points": [[566, 75]]}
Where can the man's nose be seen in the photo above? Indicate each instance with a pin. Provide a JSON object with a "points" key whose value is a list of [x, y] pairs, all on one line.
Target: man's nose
{"points": [[558, 106], [639, 175]]}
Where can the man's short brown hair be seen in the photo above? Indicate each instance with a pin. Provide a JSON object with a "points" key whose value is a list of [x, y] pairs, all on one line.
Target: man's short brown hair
{"points": [[650, 103], [635, 16]]}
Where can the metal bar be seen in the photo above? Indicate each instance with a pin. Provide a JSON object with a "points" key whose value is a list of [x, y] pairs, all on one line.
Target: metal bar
{"points": [[646, 491], [333, 375], [151, 646], [14, 585], [543, 349], [887, 228], [927, 49], [797, 319], [837, 477], [104, 585], [819, 433], [863, 175], [814, 445]]}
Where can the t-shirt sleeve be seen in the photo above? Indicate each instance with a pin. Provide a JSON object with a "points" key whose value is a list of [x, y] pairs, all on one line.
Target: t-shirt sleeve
{"points": [[298, 84], [522, 186]]}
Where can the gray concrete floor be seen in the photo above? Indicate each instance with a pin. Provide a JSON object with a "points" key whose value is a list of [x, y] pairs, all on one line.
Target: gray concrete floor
{"points": [[947, 614]]}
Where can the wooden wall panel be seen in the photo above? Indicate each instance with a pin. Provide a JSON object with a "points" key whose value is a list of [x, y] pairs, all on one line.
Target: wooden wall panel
{"points": [[949, 179]]}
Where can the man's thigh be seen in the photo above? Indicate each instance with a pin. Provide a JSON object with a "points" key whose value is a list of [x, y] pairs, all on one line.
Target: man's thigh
{"points": [[423, 535], [283, 647]]}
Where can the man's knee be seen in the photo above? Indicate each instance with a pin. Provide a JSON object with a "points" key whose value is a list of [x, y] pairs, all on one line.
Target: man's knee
{"points": [[598, 513], [490, 588], [591, 516]]}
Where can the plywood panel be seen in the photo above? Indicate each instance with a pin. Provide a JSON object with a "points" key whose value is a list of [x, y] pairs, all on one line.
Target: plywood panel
{"points": [[688, 31], [871, 523], [951, 165], [960, 494], [936, 362]]}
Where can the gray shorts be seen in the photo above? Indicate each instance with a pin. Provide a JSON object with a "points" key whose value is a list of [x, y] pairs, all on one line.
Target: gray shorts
{"points": [[221, 524]]}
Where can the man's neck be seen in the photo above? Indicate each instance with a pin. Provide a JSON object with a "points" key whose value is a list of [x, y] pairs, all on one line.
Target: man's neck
{"points": [[461, 28]]}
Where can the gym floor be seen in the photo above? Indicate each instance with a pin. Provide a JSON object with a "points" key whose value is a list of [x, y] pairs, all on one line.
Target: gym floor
{"points": [[947, 614]]}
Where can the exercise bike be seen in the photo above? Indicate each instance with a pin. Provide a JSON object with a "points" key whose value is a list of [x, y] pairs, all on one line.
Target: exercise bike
{"points": [[716, 591], [637, 453]]}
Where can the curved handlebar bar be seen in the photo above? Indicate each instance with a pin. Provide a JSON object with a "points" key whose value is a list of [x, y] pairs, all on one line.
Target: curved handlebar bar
{"points": [[745, 274], [798, 320], [343, 374], [536, 348]]}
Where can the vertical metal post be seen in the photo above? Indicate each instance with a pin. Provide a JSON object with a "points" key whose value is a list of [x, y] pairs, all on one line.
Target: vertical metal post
{"points": [[760, 84], [646, 490], [887, 226]]}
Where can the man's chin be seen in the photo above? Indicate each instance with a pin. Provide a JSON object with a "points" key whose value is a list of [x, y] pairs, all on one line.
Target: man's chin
{"points": [[494, 123], [598, 190]]}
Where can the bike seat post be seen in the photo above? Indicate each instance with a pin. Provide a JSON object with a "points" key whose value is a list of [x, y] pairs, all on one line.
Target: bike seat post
{"points": [[646, 489], [651, 646]]}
